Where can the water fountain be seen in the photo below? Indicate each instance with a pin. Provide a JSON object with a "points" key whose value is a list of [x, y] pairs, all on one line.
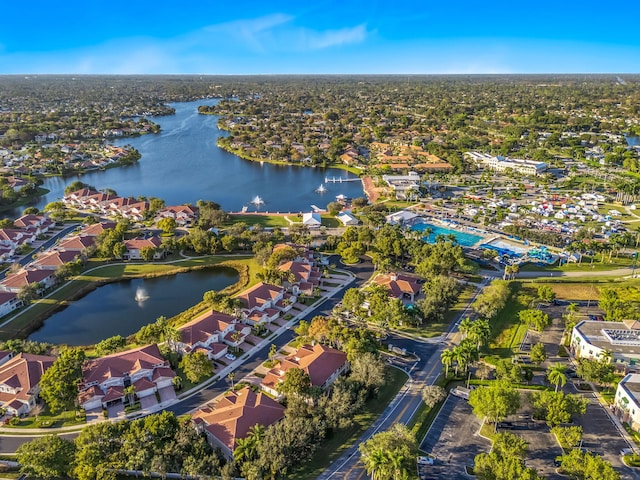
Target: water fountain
{"points": [[257, 200], [321, 188], [141, 295]]}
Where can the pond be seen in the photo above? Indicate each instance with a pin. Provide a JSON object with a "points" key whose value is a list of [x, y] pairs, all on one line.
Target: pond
{"points": [[121, 308]]}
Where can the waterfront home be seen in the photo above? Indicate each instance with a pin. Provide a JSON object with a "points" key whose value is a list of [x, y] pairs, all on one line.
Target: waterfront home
{"points": [[347, 219], [9, 302], [15, 237], [311, 220], [400, 285], [77, 243], [212, 333], [17, 281], [134, 247], [104, 379], [323, 365], [184, 215], [233, 417], [53, 260], [19, 382]]}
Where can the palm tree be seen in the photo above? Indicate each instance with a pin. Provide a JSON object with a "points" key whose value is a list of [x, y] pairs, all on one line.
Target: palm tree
{"points": [[465, 327], [130, 393], [396, 459], [172, 336], [231, 376], [556, 375], [446, 357], [376, 463]]}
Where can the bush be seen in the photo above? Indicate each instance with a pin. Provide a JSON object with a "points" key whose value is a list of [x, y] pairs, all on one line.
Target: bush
{"points": [[14, 421]]}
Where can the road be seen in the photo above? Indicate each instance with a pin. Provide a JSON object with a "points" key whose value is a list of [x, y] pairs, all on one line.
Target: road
{"points": [[362, 272], [423, 372]]}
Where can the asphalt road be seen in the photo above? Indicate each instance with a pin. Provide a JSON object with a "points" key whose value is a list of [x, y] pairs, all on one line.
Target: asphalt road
{"points": [[423, 372], [362, 272]]}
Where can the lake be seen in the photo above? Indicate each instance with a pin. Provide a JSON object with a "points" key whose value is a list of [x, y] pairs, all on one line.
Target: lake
{"points": [[183, 164], [112, 309]]}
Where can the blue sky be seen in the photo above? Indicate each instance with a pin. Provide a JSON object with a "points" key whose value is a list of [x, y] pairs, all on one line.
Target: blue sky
{"points": [[262, 37]]}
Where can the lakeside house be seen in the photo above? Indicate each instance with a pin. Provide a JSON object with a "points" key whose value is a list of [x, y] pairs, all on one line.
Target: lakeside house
{"points": [[104, 379], [17, 281], [212, 333], [323, 365], [9, 302], [311, 220], [184, 215], [19, 381], [53, 260], [347, 219], [135, 246], [233, 417]]}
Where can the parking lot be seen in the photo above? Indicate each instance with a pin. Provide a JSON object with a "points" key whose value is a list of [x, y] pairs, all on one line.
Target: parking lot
{"points": [[453, 440]]}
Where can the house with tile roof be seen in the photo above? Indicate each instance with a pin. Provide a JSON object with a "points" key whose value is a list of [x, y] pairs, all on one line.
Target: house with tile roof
{"points": [[19, 381], [134, 247], [233, 417], [104, 379], [96, 229], [17, 281], [263, 303], [184, 215], [304, 276], [54, 259], [37, 224], [323, 365], [76, 243], [212, 333], [9, 302], [400, 285]]}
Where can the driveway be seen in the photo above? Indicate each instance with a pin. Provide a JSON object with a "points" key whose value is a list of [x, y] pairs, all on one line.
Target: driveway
{"points": [[148, 402], [167, 394], [453, 440]]}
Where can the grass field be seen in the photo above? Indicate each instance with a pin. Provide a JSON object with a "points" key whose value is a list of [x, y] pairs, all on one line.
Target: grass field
{"points": [[334, 446], [572, 291], [506, 329], [263, 220], [586, 266]]}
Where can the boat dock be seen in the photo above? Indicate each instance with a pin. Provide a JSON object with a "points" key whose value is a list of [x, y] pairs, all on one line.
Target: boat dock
{"points": [[340, 179]]}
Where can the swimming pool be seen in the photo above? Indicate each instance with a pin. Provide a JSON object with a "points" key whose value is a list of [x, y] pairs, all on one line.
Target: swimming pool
{"points": [[464, 239]]}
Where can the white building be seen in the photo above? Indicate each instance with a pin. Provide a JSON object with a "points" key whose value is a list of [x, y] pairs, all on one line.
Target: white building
{"points": [[627, 400], [500, 164], [311, 220], [591, 339], [347, 219]]}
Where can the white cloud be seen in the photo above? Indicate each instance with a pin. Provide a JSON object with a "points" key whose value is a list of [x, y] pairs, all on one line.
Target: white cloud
{"points": [[332, 38]]}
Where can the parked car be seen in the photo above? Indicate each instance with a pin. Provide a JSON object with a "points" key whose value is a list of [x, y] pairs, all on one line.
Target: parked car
{"points": [[230, 356]]}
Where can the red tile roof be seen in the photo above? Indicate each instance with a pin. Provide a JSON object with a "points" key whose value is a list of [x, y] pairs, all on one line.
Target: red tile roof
{"points": [[259, 294], [201, 328], [235, 414], [22, 372], [25, 277], [399, 283], [117, 364], [55, 258], [77, 243]]}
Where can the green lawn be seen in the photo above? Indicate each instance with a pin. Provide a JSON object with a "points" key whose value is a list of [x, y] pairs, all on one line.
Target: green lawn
{"points": [[335, 445], [506, 329], [586, 266], [47, 420], [263, 220], [330, 221]]}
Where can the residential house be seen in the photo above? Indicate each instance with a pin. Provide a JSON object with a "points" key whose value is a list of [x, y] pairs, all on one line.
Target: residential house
{"points": [[104, 379], [37, 224], [233, 417], [311, 220], [54, 259], [17, 281], [13, 237], [96, 229], [400, 285], [77, 243], [305, 276], [9, 302], [135, 246], [19, 382], [264, 302], [212, 333], [347, 219], [323, 365], [184, 215]]}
